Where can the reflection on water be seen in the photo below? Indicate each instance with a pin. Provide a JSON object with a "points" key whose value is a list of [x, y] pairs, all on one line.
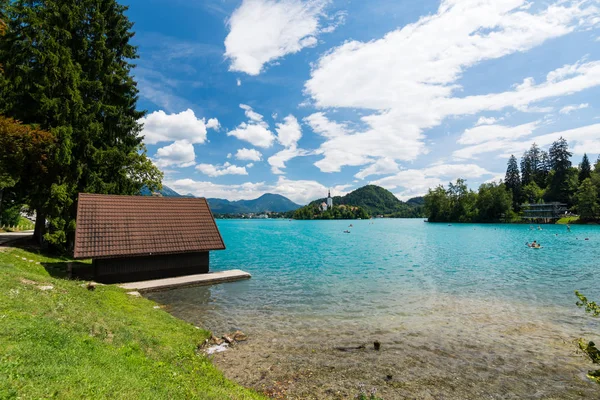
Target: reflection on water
{"points": [[465, 311]]}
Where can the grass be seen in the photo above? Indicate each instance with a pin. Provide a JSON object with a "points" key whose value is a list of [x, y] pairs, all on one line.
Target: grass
{"points": [[23, 225], [568, 220], [72, 343]]}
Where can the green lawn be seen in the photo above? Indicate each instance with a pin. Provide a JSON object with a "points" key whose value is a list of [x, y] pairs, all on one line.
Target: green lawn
{"points": [[72, 343], [23, 225], [568, 220]]}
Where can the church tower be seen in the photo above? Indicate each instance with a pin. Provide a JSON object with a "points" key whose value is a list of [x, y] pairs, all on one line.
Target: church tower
{"points": [[329, 200]]}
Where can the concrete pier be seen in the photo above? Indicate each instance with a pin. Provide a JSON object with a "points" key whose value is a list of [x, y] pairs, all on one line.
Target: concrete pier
{"points": [[186, 281]]}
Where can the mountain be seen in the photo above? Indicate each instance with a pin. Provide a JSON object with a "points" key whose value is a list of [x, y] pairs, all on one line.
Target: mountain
{"points": [[165, 191], [266, 202], [378, 201]]}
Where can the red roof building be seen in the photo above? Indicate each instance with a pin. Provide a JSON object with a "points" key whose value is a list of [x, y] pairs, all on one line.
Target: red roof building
{"points": [[144, 237]]}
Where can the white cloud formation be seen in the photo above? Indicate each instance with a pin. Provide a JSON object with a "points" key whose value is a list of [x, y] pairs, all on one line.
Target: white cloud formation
{"points": [[248, 155], [180, 153], [238, 81], [289, 133], [409, 95], [415, 182], [486, 121], [255, 131], [585, 139], [299, 191], [162, 127], [262, 31], [383, 166], [220, 170], [570, 108], [485, 133]]}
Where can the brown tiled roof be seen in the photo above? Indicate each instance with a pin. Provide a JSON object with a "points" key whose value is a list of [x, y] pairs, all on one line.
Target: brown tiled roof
{"points": [[114, 226]]}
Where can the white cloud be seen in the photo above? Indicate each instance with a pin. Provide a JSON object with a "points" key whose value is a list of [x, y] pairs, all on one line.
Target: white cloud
{"points": [[485, 133], [288, 131], [585, 139], [255, 131], [248, 154], [486, 121], [415, 182], [250, 165], [162, 127], [251, 114], [383, 166], [180, 153], [299, 191], [277, 161], [570, 108], [412, 94], [238, 81], [262, 31], [220, 170]]}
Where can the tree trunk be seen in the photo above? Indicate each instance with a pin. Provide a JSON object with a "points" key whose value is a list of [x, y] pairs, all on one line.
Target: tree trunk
{"points": [[1, 191], [40, 227]]}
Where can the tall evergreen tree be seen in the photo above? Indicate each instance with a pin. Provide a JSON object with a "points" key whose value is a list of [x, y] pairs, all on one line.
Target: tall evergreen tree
{"points": [[68, 68], [512, 181], [585, 169], [559, 188], [534, 166]]}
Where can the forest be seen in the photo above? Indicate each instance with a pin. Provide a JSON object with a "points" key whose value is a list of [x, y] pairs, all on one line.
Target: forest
{"points": [[540, 177]]}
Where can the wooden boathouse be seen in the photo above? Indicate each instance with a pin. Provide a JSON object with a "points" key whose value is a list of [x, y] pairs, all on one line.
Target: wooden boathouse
{"points": [[134, 238]]}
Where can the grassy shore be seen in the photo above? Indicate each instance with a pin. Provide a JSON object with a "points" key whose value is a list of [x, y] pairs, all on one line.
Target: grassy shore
{"points": [[59, 339]]}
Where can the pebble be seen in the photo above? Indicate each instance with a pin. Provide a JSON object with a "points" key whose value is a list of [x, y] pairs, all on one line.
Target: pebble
{"points": [[134, 294], [46, 287]]}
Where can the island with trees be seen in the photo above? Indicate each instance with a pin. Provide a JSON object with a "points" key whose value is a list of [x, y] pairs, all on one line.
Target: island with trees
{"points": [[543, 177], [365, 202]]}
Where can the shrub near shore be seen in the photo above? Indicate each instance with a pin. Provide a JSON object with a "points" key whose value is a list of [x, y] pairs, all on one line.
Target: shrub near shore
{"points": [[59, 339]]}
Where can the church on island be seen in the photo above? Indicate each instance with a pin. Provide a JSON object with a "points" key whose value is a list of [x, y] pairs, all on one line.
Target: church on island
{"points": [[326, 206]]}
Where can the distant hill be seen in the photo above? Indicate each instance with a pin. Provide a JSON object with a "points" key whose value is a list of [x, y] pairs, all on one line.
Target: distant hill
{"points": [[379, 201], [266, 202], [165, 191]]}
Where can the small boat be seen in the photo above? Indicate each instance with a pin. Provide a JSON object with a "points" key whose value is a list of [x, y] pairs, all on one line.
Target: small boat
{"points": [[346, 231]]}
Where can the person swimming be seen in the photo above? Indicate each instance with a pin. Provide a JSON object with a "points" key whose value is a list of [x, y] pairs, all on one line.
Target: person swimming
{"points": [[534, 245]]}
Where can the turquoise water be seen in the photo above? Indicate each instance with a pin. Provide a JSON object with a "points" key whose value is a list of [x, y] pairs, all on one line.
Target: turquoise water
{"points": [[458, 286]]}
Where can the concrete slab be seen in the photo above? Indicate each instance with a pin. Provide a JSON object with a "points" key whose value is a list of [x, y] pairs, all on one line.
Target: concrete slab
{"points": [[187, 281]]}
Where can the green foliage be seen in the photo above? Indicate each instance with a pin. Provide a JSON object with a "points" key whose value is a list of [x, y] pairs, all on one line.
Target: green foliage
{"points": [[312, 211], [512, 180], [585, 169], [587, 200], [492, 203], [534, 166], [68, 70], [376, 200], [532, 193], [72, 343], [590, 306], [590, 348]]}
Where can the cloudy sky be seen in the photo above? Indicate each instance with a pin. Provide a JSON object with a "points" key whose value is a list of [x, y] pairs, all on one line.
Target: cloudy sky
{"points": [[246, 97]]}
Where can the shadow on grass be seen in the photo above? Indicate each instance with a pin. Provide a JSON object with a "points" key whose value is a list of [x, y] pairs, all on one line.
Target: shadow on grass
{"points": [[60, 267]]}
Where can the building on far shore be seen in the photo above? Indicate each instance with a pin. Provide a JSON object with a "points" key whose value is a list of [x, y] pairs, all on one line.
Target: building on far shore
{"points": [[328, 205], [544, 212], [133, 238]]}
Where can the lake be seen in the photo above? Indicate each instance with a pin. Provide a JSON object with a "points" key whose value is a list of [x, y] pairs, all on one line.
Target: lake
{"points": [[461, 311]]}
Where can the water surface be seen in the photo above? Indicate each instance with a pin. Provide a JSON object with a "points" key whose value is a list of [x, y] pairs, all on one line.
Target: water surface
{"points": [[462, 311]]}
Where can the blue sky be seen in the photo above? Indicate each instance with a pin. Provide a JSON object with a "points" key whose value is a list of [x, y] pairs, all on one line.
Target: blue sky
{"points": [[294, 97]]}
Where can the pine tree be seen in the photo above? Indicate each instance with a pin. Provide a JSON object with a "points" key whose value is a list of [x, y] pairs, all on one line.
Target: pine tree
{"points": [[585, 169], [512, 180], [559, 188], [68, 68]]}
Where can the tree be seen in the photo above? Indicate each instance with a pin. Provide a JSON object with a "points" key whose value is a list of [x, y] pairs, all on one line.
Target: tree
{"points": [[437, 205], [585, 169], [587, 200], [532, 193], [560, 187], [534, 166], [512, 180], [68, 69], [494, 202], [25, 154]]}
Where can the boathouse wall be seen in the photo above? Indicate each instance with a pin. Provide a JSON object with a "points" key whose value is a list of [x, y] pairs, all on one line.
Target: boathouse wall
{"points": [[125, 269]]}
